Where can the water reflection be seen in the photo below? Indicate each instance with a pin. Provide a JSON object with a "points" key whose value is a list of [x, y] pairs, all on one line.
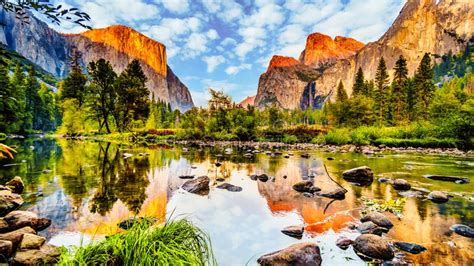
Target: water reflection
{"points": [[88, 187]]}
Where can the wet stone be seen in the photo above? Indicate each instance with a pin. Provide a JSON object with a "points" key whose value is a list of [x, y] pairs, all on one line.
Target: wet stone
{"points": [[344, 243], [455, 179], [373, 246], [361, 175], [230, 187], [295, 231], [371, 228], [401, 184], [462, 230], [378, 219], [409, 247], [438, 197], [303, 186], [297, 254], [199, 185]]}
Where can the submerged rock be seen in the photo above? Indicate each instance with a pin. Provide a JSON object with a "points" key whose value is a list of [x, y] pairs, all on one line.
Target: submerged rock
{"points": [[409, 247], [230, 187], [371, 228], [455, 179], [344, 243], [297, 254], [462, 230], [338, 193], [438, 197], [9, 202], [19, 219], [16, 185], [47, 254], [186, 176], [401, 184], [303, 186], [378, 219], [199, 185], [373, 246], [361, 175], [295, 231], [306, 156]]}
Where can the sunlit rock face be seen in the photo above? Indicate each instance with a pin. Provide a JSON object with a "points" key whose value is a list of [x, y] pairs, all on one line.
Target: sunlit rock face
{"points": [[118, 44], [281, 61], [249, 101], [423, 26], [322, 49]]}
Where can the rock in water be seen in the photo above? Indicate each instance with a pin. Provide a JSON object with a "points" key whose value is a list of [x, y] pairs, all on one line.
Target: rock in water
{"points": [[16, 185], [338, 193], [378, 219], [463, 230], [438, 197], [409, 247], [295, 231], [297, 254], [303, 186], [263, 177], [9, 202], [455, 179], [401, 184], [371, 228], [186, 177], [31, 241], [344, 243], [199, 185], [46, 255], [361, 175], [373, 246], [230, 187], [19, 219]]}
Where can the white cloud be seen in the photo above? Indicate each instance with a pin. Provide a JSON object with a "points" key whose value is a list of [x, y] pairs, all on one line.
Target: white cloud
{"points": [[212, 34], [213, 61], [176, 6], [232, 70]]}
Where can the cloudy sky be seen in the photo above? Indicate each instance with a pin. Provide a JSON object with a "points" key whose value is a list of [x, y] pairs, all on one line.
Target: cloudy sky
{"points": [[227, 44]]}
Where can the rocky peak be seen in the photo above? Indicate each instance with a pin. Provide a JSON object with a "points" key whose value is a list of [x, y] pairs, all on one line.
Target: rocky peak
{"points": [[249, 101], [321, 48], [132, 43], [281, 61]]}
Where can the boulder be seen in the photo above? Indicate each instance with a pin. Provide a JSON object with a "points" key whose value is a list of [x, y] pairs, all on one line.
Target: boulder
{"points": [[303, 186], [338, 193], [199, 185], [9, 202], [295, 231], [19, 219], [344, 243], [263, 178], [373, 246], [130, 222], [31, 241], [16, 236], [401, 184], [297, 254], [371, 228], [6, 249], [16, 185], [409, 247], [230, 187], [186, 176], [462, 230], [378, 219], [361, 175], [438, 197], [455, 179], [47, 254]]}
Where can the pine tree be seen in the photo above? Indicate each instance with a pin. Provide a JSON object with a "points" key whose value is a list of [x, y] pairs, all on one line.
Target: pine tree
{"points": [[399, 89], [341, 95], [8, 111], [382, 91], [18, 94], [33, 101], [74, 86], [359, 84], [424, 86]]}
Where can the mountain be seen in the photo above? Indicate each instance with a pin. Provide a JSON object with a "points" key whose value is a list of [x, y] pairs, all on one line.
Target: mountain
{"points": [[423, 26], [51, 50], [249, 101]]}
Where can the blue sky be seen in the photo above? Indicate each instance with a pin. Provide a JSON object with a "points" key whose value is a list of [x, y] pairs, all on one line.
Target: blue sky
{"points": [[227, 44]]}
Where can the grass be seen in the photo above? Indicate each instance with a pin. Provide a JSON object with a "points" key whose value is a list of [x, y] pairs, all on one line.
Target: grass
{"points": [[177, 242]]}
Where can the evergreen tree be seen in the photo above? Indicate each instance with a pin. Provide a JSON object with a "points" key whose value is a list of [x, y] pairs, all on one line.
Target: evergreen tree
{"points": [[424, 86], [410, 99], [17, 95], [46, 114], [8, 114], [359, 84], [341, 95], [399, 89], [74, 86], [382, 91], [33, 101]]}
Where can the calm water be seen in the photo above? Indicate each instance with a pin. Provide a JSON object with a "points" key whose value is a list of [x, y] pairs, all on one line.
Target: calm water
{"points": [[87, 187]]}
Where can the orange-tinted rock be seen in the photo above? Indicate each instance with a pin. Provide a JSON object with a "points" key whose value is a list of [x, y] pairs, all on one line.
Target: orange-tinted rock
{"points": [[282, 61], [133, 43], [321, 48], [249, 101]]}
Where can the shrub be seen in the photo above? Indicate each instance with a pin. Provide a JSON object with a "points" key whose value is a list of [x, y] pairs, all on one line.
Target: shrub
{"points": [[290, 139], [338, 136]]}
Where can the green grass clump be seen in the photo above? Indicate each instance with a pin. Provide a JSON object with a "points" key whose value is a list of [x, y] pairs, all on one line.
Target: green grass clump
{"points": [[176, 242], [290, 139]]}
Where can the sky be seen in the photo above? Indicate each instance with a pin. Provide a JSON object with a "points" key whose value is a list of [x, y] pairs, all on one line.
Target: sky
{"points": [[227, 44]]}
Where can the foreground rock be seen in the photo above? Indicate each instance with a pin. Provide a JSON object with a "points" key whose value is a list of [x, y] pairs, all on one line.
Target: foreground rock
{"points": [[16, 236], [373, 246], [16, 185], [378, 219], [47, 254], [438, 197], [344, 243], [230, 187], [297, 254], [401, 184], [31, 241], [295, 231], [361, 175], [9, 202], [455, 179], [338, 193], [199, 185], [409, 247], [371, 228], [19, 219], [462, 230], [6, 248]]}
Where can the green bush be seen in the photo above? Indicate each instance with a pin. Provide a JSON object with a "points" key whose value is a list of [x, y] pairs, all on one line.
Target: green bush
{"points": [[424, 143], [338, 136], [3, 136], [290, 139]]}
